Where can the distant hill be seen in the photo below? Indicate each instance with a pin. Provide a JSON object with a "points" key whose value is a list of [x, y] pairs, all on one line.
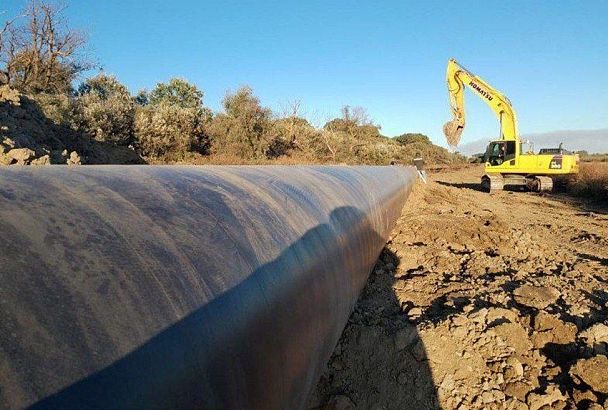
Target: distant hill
{"points": [[592, 141]]}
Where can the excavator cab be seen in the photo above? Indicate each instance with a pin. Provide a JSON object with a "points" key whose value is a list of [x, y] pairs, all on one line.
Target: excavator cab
{"points": [[499, 152]]}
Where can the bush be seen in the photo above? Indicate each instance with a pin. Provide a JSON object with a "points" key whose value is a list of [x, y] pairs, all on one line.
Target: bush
{"points": [[291, 133], [172, 121], [245, 129], [170, 131], [591, 181], [406, 139], [106, 110], [177, 92], [59, 108]]}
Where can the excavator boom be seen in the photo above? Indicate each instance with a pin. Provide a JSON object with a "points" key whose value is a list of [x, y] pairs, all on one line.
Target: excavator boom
{"points": [[457, 78]]}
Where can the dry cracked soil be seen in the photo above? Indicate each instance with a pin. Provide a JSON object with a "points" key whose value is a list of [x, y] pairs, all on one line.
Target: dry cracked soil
{"points": [[480, 301]]}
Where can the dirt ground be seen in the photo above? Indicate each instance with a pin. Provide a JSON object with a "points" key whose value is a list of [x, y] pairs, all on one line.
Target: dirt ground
{"points": [[480, 301]]}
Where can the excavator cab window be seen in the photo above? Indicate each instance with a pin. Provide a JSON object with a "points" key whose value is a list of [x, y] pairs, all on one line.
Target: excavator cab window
{"points": [[500, 151], [509, 150]]}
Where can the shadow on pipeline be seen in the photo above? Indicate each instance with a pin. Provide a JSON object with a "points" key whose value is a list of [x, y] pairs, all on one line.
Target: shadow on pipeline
{"points": [[226, 354]]}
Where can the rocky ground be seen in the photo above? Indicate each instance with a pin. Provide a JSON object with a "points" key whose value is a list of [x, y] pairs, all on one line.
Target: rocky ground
{"points": [[31, 136], [480, 301]]}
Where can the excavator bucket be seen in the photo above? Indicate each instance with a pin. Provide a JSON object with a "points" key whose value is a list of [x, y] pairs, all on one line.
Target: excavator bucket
{"points": [[452, 131]]}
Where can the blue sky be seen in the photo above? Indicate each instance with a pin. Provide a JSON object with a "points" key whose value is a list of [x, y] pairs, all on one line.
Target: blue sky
{"points": [[550, 58]]}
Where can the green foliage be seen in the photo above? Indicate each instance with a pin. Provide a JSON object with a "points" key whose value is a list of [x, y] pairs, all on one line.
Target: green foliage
{"points": [[106, 110], [245, 129], [292, 134], [409, 138], [171, 121], [170, 131], [59, 108], [355, 122], [141, 98], [177, 92]]}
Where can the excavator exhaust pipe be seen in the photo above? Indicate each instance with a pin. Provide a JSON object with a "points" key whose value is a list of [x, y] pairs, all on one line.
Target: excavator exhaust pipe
{"points": [[181, 286]]}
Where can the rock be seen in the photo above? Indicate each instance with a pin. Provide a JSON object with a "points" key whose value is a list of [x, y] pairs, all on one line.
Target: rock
{"points": [[514, 369], [74, 159], [9, 95], [538, 297], [487, 397], [20, 156], [592, 372], [337, 364], [550, 329], [495, 314], [414, 313], [479, 316], [515, 404], [4, 160], [553, 398], [518, 390], [43, 160], [596, 337], [580, 396], [339, 403], [514, 336], [448, 383], [402, 378]]}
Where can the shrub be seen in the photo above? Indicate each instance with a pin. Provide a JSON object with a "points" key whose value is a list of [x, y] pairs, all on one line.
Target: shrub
{"points": [[291, 133], [591, 181], [245, 129], [106, 110], [171, 131], [172, 121], [58, 108], [408, 138], [177, 92]]}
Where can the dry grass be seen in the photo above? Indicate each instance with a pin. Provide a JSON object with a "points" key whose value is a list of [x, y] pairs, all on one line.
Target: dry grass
{"points": [[594, 157], [591, 181]]}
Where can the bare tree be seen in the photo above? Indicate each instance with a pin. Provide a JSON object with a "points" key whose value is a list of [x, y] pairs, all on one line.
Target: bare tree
{"points": [[357, 115], [6, 32], [291, 121], [42, 54]]}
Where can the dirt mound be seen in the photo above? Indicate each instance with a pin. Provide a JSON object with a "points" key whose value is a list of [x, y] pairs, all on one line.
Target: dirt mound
{"points": [[495, 302], [29, 136]]}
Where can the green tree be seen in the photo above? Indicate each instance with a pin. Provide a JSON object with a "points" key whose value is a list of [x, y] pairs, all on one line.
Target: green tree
{"points": [[177, 92], [105, 110], [172, 121], [245, 129]]}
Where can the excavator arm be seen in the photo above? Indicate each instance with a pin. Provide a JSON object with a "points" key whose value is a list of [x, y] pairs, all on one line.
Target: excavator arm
{"points": [[457, 78]]}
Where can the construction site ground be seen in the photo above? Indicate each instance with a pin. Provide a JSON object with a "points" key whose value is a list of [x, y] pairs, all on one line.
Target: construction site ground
{"points": [[480, 301]]}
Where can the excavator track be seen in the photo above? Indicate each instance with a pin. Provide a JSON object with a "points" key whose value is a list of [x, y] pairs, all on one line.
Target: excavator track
{"points": [[492, 183], [540, 183]]}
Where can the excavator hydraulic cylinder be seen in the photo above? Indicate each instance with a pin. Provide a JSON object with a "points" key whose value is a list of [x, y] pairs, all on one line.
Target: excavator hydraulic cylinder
{"points": [[214, 287]]}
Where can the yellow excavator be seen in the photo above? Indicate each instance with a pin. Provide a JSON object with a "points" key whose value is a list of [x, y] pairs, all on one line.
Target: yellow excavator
{"points": [[507, 162]]}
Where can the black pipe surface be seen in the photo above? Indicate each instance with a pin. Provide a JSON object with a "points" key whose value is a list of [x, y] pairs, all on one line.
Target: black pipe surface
{"points": [[182, 286]]}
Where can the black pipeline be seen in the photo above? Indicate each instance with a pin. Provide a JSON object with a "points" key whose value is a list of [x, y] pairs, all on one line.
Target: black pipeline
{"points": [[181, 286]]}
